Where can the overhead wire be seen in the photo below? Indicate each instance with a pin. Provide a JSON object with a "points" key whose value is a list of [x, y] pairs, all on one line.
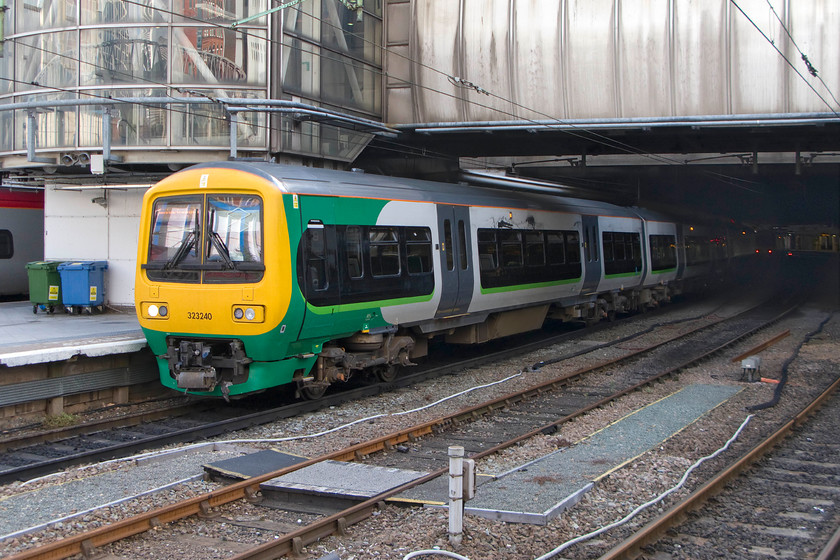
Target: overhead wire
{"points": [[811, 69], [578, 131], [403, 148], [785, 58], [603, 139]]}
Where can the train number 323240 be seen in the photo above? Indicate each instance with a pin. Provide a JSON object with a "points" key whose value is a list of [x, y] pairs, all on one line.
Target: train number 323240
{"points": [[199, 315]]}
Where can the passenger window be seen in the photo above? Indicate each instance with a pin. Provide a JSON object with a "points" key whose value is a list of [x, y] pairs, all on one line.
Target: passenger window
{"points": [[573, 247], [487, 257], [418, 244], [316, 261], [555, 249], [7, 246], [534, 249], [353, 251], [608, 246], [511, 242], [384, 251], [663, 252]]}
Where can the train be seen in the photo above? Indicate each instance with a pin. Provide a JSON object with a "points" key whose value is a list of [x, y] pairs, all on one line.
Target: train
{"points": [[21, 238], [253, 275]]}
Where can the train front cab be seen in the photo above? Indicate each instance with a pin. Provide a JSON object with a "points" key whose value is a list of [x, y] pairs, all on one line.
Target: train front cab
{"points": [[214, 281]]}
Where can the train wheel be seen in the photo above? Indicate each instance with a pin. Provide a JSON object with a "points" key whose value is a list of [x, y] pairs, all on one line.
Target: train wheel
{"points": [[313, 392], [385, 373]]}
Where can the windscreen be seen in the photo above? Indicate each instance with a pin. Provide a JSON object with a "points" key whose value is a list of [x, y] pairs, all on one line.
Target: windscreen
{"points": [[211, 239]]}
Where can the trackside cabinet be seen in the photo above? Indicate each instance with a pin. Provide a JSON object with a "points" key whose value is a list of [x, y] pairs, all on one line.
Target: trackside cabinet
{"points": [[83, 285], [44, 285]]}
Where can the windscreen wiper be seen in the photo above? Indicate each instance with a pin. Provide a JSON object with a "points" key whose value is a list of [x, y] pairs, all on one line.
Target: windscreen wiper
{"points": [[217, 242], [187, 244]]}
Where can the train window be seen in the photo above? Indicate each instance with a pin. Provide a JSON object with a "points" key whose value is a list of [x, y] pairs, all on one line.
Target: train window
{"points": [[622, 254], [619, 252], [534, 248], [663, 252], [487, 256], [698, 250], [418, 243], [233, 238], [462, 244], [316, 259], [511, 248], [7, 246], [353, 251], [447, 245], [608, 246], [175, 240], [550, 256], [384, 251], [572, 247], [555, 247]]}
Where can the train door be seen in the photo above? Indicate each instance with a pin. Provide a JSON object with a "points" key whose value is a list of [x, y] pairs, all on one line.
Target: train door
{"points": [[455, 260], [591, 254], [317, 266]]}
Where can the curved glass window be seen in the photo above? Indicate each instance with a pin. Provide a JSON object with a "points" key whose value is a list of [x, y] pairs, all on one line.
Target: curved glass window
{"points": [[325, 54], [134, 55]]}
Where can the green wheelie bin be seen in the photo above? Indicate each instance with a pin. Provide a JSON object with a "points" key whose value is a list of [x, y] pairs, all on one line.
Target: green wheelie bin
{"points": [[44, 285]]}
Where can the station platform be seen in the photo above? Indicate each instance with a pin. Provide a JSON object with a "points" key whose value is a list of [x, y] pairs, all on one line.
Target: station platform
{"points": [[56, 363], [28, 338]]}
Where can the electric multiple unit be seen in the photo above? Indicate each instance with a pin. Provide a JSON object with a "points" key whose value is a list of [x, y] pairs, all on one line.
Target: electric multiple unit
{"points": [[254, 275]]}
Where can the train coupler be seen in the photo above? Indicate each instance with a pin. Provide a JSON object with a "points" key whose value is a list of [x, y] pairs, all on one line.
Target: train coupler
{"points": [[203, 379]]}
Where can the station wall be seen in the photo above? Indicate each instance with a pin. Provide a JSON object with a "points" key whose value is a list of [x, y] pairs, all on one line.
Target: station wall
{"points": [[96, 224]]}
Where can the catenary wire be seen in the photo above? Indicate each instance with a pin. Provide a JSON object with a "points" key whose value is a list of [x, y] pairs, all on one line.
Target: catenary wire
{"points": [[811, 69], [789, 63]]}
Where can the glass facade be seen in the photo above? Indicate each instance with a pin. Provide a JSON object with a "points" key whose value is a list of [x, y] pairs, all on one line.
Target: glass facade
{"points": [[329, 55]]}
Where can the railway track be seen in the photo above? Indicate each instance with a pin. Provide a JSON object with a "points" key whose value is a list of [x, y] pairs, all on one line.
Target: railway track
{"points": [[45, 452], [530, 409], [777, 501]]}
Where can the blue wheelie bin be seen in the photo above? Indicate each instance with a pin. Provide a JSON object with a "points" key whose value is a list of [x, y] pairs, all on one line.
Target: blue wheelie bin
{"points": [[83, 285]]}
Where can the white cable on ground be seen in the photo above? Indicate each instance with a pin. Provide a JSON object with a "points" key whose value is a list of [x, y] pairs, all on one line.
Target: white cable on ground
{"points": [[279, 440], [644, 506], [417, 553]]}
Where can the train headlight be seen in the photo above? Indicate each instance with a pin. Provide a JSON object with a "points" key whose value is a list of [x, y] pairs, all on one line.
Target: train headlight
{"points": [[248, 313], [154, 310]]}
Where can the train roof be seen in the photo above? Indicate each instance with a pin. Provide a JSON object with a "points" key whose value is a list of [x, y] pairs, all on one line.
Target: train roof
{"points": [[316, 181]]}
